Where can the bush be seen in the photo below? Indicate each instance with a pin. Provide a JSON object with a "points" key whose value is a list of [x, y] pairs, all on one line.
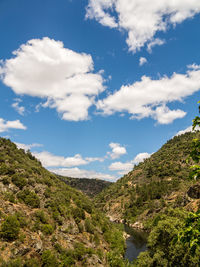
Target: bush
{"points": [[30, 198], [13, 263], [19, 180], [22, 219], [10, 197], [10, 228], [6, 180], [31, 263], [47, 229], [49, 259], [41, 216], [78, 214], [89, 227]]}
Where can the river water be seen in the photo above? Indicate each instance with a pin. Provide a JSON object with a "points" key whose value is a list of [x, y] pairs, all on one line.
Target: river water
{"points": [[136, 243]]}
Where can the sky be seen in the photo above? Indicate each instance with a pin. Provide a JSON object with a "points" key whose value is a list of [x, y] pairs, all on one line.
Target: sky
{"points": [[93, 87]]}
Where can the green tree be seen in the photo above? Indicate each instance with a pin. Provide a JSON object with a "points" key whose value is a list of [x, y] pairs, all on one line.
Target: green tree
{"points": [[10, 228], [190, 233]]}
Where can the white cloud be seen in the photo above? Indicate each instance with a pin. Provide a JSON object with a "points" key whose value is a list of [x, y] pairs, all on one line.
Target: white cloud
{"points": [[148, 97], [27, 146], [165, 116], [80, 173], [126, 167], [188, 129], [17, 107], [153, 43], [50, 160], [117, 150], [141, 19], [141, 157], [65, 79], [96, 9], [142, 61], [6, 125], [193, 66]]}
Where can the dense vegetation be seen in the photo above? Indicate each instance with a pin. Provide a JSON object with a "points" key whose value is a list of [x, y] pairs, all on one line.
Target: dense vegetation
{"points": [[160, 181], [160, 196], [44, 222], [90, 187]]}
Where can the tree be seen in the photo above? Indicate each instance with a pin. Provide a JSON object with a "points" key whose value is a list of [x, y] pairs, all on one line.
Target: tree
{"points": [[190, 234], [10, 228], [195, 154]]}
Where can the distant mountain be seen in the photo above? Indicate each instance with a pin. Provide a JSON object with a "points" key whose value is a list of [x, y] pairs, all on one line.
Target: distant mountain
{"points": [[160, 181], [90, 187], [44, 222]]}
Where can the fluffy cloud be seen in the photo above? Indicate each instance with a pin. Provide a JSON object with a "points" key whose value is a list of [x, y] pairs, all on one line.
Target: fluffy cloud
{"points": [[124, 168], [65, 79], [27, 147], [6, 125], [117, 150], [188, 129], [50, 160], [80, 173], [148, 97], [142, 61], [17, 107], [141, 19]]}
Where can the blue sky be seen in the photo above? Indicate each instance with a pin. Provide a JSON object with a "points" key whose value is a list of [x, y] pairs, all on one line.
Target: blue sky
{"points": [[93, 87]]}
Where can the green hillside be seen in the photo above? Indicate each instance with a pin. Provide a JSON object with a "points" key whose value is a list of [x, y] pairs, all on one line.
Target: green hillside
{"points": [[157, 197], [160, 181], [90, 187], [44, 222]]}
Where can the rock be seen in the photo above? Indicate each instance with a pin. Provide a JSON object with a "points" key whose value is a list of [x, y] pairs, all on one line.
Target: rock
{"points": [[194, 191], [38, 246], [125, 235], [70, 228], [137, 225]]}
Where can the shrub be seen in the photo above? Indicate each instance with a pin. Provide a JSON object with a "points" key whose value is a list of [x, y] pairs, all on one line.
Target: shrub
{"points": [[10, 197], [10, 228], [6, 180], [31, 263], [49, 259], [19, 181], [41, 216], [30, 198], [13, 263], [89, 227], [47, 229], [22, 219], [78, 214]]}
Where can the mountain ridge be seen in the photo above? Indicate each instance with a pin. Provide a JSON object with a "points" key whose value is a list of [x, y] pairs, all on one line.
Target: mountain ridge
{"points": [[151, 183], [90, 187], [44, 222]]}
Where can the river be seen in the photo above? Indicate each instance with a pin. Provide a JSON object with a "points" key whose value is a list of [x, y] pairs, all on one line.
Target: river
{"points": [[136, 243]]}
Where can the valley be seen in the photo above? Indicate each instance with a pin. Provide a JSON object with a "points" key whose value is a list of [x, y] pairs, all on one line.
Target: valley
{"points": [[47, 222]]}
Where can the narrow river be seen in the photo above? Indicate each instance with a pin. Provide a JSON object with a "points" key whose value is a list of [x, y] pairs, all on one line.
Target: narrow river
{"points": [[136, 243]]}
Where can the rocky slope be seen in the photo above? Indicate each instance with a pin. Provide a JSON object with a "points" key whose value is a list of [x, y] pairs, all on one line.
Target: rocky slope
{"points": [[159, 182], [44, 222]]}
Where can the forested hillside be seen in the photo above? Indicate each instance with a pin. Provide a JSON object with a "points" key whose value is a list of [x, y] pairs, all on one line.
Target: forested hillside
{"points": [[44, 222], [159, 181], [157, 196], [90, 187]]}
